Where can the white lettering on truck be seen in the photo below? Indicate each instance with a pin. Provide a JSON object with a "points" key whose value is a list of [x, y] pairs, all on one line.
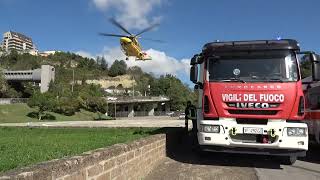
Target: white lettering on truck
{"points": [[252, 105], [275, 98], [231, 97], [272, 97]]}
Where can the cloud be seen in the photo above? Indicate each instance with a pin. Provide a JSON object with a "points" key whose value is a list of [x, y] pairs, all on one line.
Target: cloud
{"points": [[85, 54], [133, 14], [160, 64]]}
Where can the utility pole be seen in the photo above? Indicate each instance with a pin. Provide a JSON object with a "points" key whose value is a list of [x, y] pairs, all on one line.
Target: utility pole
{"points": [[72, 80], [107, 109], [115, 110]]}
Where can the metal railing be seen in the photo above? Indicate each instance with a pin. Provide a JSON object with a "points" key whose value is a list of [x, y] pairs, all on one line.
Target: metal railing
{"points": [[138, 113], [122, 114], [13, 100]]}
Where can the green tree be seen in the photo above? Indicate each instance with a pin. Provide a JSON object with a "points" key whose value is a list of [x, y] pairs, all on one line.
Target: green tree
{"points": [[104, 64], [44, 102], [172, 87], [67, 106], [2, 51], [90, 98], [6, 91], [97, 105], [3, 84], [118, 68], [135, 71], [12, 93], [305, 66], [98, 59]]}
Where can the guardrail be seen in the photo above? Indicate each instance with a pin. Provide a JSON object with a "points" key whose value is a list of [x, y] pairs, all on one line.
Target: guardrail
{"points": [[13, 100]]}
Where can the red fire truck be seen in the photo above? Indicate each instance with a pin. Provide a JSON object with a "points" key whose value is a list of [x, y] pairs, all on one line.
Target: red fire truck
{"points": [[251, 98], [312, 117]]}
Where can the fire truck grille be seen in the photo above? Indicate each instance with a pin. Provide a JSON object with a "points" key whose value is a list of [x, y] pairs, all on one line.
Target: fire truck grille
{"points": [[254, 112], [253, 138], [252, 121]]}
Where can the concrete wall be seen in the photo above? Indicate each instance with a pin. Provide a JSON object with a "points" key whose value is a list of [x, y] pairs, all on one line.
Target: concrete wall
{"points": [[122, 161], [47, 75]]}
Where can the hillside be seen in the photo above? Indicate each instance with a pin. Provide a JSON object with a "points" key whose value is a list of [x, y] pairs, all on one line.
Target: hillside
{"points": [[126, 81], [92, 71]]}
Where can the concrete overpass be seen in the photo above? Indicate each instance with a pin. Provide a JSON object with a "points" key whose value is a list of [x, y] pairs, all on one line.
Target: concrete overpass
{"points": [[44, 76], [138, 106]]}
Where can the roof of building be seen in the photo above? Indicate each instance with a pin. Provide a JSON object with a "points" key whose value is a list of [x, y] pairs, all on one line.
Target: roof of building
{"points": [[21, 36]]}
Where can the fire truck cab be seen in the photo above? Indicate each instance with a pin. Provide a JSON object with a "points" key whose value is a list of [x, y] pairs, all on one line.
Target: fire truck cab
{"points": [[251, 98]]}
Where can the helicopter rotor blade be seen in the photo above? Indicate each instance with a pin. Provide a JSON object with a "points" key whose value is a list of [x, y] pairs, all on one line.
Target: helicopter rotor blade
{"points": [[113, 35], [147, 29], [113, 21], [154, 40]]}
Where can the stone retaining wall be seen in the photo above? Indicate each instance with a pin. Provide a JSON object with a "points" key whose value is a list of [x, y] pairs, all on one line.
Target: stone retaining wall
{"points": [[121, 161]]}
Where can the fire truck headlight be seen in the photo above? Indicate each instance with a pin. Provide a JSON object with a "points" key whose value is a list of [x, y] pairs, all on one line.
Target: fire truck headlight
{"points": [[296, 131], [210, 128]]}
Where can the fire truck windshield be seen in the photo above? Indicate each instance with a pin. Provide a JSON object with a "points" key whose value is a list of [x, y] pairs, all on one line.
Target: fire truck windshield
{"points": [[254, 67]]}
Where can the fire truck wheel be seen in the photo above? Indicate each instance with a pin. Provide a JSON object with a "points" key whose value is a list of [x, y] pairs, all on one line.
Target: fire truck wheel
{"points": [[288, 160], [200, 152]]}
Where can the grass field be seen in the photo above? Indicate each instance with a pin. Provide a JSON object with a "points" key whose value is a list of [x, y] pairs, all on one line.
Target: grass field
{"points": [[18, 113], [23, 146]]}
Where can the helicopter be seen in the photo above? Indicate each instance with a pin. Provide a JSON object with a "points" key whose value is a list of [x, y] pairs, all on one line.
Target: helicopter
{"points": [[129, 43]]}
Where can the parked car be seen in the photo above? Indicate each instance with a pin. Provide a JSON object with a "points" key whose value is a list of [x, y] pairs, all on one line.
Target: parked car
{"points": [[182, 116], [170, 114]]}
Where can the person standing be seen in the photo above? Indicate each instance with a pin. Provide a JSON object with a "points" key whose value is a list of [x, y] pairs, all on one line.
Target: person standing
{"points": [[190, 114]]}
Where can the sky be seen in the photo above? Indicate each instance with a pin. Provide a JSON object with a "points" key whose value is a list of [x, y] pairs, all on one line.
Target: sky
{"points": [[73, 25]]}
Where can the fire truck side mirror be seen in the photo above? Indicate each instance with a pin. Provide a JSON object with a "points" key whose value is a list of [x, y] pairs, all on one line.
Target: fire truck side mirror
{"points": [[198, 86], [315, 67], [194, 60], [194, 73]]}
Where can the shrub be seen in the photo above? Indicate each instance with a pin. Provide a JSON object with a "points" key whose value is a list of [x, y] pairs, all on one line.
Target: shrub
{"points": [[43, 102], [67, 106]]}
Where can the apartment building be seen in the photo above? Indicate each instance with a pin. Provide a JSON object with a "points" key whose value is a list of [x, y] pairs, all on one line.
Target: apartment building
{"points": [[17, 41]]}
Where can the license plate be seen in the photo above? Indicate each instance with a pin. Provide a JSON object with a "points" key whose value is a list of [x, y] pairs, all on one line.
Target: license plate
{"points": [[252, 130]]}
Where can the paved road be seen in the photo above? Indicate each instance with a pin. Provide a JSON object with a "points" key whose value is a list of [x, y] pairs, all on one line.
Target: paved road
{"points": [[307, 168], [156, 121], [186, 164]]}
